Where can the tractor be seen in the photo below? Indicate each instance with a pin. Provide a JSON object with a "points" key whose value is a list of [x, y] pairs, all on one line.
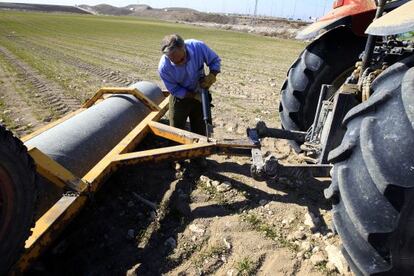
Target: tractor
{"points": [[347, 104], [348, 101]]}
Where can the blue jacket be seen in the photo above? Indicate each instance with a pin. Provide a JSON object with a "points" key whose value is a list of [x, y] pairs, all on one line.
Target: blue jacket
{"points": [[181, 79]]}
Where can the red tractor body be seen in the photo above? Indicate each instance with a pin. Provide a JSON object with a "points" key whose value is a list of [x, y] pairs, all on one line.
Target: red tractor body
{"points": [[355, 14]]}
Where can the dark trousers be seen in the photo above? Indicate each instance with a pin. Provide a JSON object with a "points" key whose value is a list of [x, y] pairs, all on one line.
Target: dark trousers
{"points": [[181, 109]]}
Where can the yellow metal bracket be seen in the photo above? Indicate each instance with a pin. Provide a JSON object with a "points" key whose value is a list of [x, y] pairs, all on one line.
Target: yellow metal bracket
{"points": [[122, 90], [192, 145], [174, 134], [56, 173]]}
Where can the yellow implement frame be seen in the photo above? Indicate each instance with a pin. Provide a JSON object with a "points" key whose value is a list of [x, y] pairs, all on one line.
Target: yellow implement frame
{"points": [[52, 223]]}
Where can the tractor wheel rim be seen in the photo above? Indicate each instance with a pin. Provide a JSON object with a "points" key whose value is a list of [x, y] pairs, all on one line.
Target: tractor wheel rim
{"points": [[6, 202]]}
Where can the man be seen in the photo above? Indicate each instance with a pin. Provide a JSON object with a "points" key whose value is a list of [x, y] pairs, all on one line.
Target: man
{"points": [[181, 68]]}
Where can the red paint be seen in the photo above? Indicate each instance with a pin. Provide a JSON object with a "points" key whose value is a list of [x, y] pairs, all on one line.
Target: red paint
{"points": [[338, 3], [344, 8], [362, 13]]}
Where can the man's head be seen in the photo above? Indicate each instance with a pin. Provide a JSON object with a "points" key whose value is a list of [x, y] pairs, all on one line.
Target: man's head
{"points": [[174, 48]]}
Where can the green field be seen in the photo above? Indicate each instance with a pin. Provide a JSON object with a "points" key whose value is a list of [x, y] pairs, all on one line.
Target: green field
{"points": [[73, 50]]}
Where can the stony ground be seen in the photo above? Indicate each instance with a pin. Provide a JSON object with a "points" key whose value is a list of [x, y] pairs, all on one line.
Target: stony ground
{"points": [[173, 219]]}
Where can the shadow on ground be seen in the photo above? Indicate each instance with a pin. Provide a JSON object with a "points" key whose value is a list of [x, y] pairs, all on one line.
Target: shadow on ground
{"points": [[107, 237]]}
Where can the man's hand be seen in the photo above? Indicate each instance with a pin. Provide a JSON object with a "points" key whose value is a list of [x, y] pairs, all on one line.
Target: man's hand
{"points": [[208, 81]]}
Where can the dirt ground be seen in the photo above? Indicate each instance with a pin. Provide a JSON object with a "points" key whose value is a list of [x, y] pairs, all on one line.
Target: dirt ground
{"points": [[213, 221], [193, 221]]}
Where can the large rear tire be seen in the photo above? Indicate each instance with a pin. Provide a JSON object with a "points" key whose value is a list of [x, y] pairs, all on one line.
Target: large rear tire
{"points": [[373, 177], [17, 198], [327, 60]]}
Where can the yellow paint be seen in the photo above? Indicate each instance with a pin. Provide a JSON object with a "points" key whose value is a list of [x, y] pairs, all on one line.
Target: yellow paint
{"points": [[122, 90], [54, 172]]}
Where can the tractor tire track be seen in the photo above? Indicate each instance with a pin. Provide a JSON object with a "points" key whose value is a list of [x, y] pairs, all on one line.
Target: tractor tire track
{"points": [[49, 93], [111, 76], [15, 112]]}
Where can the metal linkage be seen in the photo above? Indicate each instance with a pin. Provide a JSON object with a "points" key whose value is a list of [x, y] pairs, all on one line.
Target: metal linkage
{"points": [[270, 168], [49, 226], [263, 131]]}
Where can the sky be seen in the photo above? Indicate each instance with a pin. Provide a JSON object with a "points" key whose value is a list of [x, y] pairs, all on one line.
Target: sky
{"points": [[302, 9]]}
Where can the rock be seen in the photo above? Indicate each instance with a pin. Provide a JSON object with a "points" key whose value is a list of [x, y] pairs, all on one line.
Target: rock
{"points": [[47, 119], [231, 128], [215, 183], [330, 267], [197, 229], [223, 259], [306, 246], [317, 258], [299, 255], [291, 219], [337, 259], [130, 204], [231, 272], [171, 242], [227, 243], [311, 220], [131, 234], [132, 271], [299, 235], [204, 178], [241, 130], [316, 249], [223, 187], [317, 235]]}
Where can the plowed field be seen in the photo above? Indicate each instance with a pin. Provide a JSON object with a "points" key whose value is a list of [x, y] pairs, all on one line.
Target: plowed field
{"points": [[214, 221]]}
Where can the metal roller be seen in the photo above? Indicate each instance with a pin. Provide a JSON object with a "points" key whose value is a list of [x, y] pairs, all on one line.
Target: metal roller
{"points": [[81, 141]]}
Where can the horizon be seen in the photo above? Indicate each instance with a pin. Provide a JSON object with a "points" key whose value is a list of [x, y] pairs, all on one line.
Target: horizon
{"points": [[293, 9]]}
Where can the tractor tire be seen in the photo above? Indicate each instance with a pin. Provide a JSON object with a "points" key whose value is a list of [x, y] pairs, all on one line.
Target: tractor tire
{"points": [[372, 188], [17, 198], [328, 60]]}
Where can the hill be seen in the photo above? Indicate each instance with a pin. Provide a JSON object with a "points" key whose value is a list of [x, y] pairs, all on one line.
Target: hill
{"points": [[41, 7]]}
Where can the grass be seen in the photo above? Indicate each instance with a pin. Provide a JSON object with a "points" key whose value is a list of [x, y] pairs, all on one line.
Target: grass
{"points": [[269, 231], [213, 251], [57, 46], [212, 192], [97, 39], [38, 110], [245, 267], [5, 119]]}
